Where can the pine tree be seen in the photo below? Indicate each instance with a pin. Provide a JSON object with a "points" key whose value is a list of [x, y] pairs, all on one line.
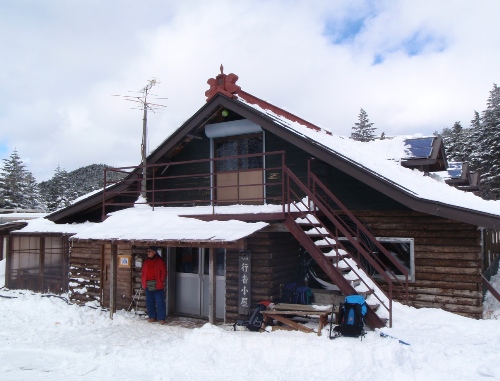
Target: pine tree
{"points": [[18, 188], [489, 165], [454, 142], [363, 130], [57, 192], [473, 144], [33, 197]]}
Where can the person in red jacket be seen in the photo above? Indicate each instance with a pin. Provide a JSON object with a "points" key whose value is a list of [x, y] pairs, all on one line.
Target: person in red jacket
{"points": [[153, 277]]}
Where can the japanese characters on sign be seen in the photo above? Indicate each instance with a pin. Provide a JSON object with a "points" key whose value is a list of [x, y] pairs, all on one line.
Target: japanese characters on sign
{"points": [[244, 290]]}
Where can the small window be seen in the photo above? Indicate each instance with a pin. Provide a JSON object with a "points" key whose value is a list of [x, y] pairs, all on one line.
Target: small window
{"points": [[187, 260], [220, 262], [401, 250]]}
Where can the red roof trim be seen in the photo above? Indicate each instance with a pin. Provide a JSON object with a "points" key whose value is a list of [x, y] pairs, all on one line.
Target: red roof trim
{"points": [[226, 84]]}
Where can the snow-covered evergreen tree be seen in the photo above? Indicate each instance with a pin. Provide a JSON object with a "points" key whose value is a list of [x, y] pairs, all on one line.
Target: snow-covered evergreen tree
{"points": [[454, 142], [363, 131], [474, 141], [489, 147], [18, 187], [57, 192], [34, 199]]}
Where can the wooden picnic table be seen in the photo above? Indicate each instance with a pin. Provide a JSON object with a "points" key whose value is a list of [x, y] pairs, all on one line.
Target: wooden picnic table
{"points": [[283, 312]]}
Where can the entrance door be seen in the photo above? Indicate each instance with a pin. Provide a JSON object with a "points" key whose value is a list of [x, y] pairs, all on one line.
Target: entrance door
{"points": [[192, 281], [239, 181]]}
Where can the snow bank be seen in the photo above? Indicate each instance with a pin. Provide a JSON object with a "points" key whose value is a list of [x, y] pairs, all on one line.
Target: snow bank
{"points": [[44, 338]]}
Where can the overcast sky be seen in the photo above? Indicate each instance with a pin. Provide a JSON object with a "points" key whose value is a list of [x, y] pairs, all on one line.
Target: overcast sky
{"points": [[413, 66]]}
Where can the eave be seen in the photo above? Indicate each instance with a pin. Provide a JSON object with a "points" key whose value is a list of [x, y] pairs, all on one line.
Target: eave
{"points": [[363, 174]]}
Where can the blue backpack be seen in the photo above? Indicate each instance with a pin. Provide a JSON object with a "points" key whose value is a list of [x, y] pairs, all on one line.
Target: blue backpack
{"points": [[351, 317]]}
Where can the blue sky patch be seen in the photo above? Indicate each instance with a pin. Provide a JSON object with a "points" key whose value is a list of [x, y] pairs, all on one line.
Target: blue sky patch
{"points": [[343, 31], [378, 59], [3, 150], [418, 43]]}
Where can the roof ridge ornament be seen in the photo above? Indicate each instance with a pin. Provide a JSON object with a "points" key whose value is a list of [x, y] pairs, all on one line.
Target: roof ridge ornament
{"points": [[224, 84]]}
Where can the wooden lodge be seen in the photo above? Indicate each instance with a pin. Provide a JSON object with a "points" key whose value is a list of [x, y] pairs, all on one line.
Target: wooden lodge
{"points": [[368, 229]]}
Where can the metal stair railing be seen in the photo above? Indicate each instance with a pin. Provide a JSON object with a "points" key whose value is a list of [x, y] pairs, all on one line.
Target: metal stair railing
{"points": [[386, 273], [293, 199], [490, 287]]}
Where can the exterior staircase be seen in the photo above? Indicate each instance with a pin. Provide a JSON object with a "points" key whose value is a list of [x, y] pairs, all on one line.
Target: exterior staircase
{"points": [[321, 227]]}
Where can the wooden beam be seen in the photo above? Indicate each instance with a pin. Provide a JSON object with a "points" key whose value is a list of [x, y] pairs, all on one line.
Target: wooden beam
{"points": [[172, 243], [112, 280]]}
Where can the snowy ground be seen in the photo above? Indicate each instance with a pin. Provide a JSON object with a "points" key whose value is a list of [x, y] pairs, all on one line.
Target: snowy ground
{"points": [[44, 338]]}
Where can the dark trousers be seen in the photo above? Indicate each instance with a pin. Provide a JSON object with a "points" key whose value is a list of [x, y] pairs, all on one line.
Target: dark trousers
{"points": [[155, 304]]}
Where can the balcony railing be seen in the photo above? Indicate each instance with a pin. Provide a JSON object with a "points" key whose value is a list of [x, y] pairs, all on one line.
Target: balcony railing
{"points": [[242, 179]]}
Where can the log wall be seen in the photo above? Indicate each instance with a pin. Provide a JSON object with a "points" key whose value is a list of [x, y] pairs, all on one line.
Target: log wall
{"points": [[139, 304], [274, 262], [85, 272], [123, 278], [90, 265], [447, 259]]}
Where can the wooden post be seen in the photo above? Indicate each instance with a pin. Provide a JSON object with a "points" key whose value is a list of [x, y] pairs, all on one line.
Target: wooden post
{"points": [[41, 265], [212, 300], [112, 280]]}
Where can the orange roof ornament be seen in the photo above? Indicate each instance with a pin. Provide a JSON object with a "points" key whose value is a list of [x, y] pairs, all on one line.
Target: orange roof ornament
{"points": [[224, 84]]}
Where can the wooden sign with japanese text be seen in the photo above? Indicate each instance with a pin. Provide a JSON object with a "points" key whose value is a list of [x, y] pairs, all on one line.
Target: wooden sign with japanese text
{"points": [[244, 290]]}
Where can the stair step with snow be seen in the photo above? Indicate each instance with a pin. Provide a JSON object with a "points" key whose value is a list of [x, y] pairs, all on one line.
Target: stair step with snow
{"points": [[342, 266], [353, 279], [341, 259], [318, 232], [327, 242], [308, 219]]}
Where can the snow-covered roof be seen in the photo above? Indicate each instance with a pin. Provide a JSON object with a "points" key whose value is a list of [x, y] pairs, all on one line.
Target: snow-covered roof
{"points": [[11, 217], [382, 159], [42, 225], [161, 224]]}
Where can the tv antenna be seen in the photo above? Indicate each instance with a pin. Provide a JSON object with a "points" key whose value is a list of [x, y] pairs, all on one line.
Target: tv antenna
{"points": [[145, 107]]}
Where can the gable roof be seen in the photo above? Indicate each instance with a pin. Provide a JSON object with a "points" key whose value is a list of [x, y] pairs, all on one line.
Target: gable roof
{"points": [[425, 153], [381, 170]]}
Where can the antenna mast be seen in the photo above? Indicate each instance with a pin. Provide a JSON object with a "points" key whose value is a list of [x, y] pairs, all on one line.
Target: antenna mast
{"points": [[145, 107]]}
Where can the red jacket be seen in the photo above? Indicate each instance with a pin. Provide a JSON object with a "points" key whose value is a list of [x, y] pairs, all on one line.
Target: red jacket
{"points": [[154, 268]]}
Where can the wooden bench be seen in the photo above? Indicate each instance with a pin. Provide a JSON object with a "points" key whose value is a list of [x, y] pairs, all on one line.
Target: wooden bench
{"points": [[283, 312]]}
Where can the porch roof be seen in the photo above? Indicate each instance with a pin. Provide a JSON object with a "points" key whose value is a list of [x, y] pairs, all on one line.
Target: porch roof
{"points": [[142, 223]]}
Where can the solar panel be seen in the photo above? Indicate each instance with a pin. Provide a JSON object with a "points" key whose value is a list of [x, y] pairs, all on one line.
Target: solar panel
{"points": [[419, 148], [455, 170]]}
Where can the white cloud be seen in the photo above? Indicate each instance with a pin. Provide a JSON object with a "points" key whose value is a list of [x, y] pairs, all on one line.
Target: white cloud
{"points": [[66, 58]]}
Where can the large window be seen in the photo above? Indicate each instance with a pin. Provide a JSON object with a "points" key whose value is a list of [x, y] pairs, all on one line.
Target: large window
{"points": [[242, 145], [38, 263], [239, 180]]}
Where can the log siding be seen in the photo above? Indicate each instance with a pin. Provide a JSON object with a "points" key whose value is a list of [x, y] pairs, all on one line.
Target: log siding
{"points": [[447, 258], [274, 262]]}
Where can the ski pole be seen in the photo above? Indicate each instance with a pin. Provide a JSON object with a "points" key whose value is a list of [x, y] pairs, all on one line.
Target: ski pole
{"points": [[133, 299], [382, 334]]}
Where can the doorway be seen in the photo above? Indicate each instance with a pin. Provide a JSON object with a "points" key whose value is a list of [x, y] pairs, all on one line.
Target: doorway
{"points": [[192, 281]]}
